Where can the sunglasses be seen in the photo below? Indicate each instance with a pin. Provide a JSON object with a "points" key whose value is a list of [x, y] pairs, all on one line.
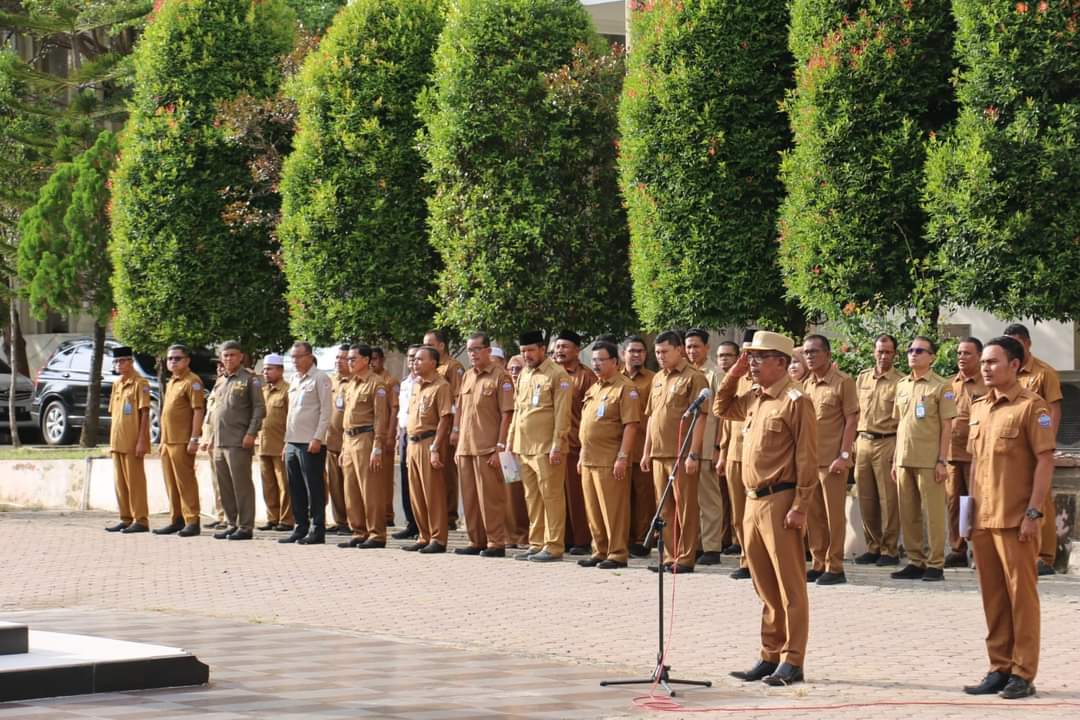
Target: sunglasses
{"points": [[917, 351]]}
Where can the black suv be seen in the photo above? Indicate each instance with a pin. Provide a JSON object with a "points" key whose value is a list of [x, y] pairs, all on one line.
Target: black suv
{"points": [[63, 385]]}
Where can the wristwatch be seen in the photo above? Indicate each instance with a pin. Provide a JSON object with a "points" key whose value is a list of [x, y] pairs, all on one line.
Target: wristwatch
{"points": [[1033, 514], [621, 456], [692, 456], [845, 455], [500, 446]]}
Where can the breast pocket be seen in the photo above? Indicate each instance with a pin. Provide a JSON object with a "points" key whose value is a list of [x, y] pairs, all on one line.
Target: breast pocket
{"points": [[1006, 439], [902, 401], [773, 433], [827, 405]]}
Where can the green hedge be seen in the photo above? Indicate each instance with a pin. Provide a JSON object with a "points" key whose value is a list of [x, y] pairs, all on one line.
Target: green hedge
{"points": [[353, 229], [701, 137], [1002, 189]]}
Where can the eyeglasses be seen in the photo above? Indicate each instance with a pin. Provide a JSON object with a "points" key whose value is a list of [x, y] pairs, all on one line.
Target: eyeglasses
{"points": [[758, 358], [472, 350], [917, 351]]}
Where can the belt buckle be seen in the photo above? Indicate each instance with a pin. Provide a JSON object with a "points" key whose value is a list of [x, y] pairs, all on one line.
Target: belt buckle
{"points": [[752, 494]]}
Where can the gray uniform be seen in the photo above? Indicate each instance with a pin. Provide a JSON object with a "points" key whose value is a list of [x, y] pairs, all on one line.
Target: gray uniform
{"points": [[238, 411]]}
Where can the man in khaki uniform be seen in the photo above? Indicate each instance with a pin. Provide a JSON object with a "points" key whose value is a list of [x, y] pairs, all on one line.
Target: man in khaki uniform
{"points": [[609, 423], [1012, 442], [780, 473], [675, 387], [567, 351], [238, 416], [129, 441], [875, 450], [430, 417], [642, 495], [729, 444], [181, 422], [333, 477], [1043, 380], [485, 409], [453, 372], [836, 405], [393, 389], [275, 488], [967, 386], [366, 427], [538, 439], [925, 407], [715, 513]]}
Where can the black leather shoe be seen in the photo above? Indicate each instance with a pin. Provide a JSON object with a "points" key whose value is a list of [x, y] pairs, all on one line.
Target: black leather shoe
{"points": [[190, 530], [117, 527], [579, 550], [173, 527], [355, 542], [867, 558], [784, 675], [610, 565], [468, 550], [709, 558], [333, 528], [316, 536], [910, 572], [994, 682], [1045, 569], [656, 568], [372, 544], [933, 575], [590, 561], [433, 548], [813, 575], [526, 555], [956, 559], [241, 535], [733, 549], [342, 530], [638, 550], [1017, 688], [267, 527], [887, 560], [831, 578], [295, 536], [544, 557], [224, 534], [676, 568], [741, 574], [134, 528], [282, 527], [493, 552], [409, 533], [414, 547], [759, 672]]}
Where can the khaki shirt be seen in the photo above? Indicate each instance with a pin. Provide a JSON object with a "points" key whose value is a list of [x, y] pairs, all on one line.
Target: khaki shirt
{"points": [[272, 435], [672, 392], [128, 398], [609, 406], [1041, 379], [238, 408], [918, 435], [485, 397], [393, 389], [453, 372], [834, 397], [642, 382], [708, 446], [367, 404], [430, 401], [334, 431], [541, 410], [1007, 433], [732, 431], [311, 402], [779, 435], [183, 396], [877, 396], [581, 379], [965, 391]]}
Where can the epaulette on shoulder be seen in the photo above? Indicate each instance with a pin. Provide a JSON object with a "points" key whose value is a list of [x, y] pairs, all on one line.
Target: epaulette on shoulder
{"points": [[794, 393]]}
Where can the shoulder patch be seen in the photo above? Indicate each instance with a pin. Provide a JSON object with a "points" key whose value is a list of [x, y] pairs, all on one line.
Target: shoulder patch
{"points": [[950, 395], [1044, 420], [564, 384], [196, 386], [256, 382], [460, 371], [381, 392], [507, 387], [145, 389], [794, 394]]}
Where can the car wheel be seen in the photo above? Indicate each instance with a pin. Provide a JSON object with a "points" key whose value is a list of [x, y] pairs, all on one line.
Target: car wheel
{"points": [[155, 424], [55, 424]]}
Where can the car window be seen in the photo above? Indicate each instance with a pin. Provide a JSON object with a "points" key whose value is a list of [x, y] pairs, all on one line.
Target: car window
{"points": [[61, 360], [80, 360], [5, 369]]}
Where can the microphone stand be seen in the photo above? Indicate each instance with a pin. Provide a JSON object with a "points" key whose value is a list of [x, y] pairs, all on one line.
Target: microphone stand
{"points": [[661, 672]]}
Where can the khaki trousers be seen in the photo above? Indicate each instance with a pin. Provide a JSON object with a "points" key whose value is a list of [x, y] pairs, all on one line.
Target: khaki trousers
{"points": [[777, 563], [334, 482], [130, 479], [1048, 541], [218, 505], [275, 489], [683, 507], [827, 522], [517, 514], [737, 493], [922, 500], [577, 520], [715, 520], [364, 503], [642, 502], [545, 497], [1008, 582], [879, 502], [178, 469], [607, 504], [957, 481], [483, 495], [233, 467], [427, 493]]}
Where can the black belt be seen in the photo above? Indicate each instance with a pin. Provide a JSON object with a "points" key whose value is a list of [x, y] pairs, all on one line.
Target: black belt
{"points": [[771, 489], [359, 430], [422, 436], [875, 436]]}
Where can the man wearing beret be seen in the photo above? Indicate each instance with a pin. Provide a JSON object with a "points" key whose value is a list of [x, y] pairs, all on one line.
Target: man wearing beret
{"points": [[567, 351], [129, 441]]}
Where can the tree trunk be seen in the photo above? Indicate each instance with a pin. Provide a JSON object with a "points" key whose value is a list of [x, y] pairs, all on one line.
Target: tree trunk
{"points": [[13, 359], [93, 398]]}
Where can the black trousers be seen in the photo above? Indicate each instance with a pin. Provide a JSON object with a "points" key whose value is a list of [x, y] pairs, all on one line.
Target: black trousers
{"points": [[403, 447], [305, 472]]}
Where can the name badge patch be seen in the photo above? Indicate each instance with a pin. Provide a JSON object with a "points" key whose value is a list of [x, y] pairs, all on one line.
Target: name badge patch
{"points": [[127, 408], [339, 403], [920, 410], [600, 409], [536, 396]]}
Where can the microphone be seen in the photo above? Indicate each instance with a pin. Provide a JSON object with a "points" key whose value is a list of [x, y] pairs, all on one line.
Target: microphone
{"points": [[706, 393]]}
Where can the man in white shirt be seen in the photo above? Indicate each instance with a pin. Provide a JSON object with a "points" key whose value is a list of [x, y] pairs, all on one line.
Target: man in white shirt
{"points": [[410, 531], [310, 405]]}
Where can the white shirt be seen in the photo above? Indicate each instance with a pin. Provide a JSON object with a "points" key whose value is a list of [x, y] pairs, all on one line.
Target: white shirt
{"points": [[311, 402], [404, 393]]}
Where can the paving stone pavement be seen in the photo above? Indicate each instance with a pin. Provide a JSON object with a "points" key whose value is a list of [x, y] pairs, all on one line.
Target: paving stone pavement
{"points": [[294, 631]]}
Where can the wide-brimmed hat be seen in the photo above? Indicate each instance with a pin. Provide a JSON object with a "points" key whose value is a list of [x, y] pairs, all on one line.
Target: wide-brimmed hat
{"points": [[765, 341]]}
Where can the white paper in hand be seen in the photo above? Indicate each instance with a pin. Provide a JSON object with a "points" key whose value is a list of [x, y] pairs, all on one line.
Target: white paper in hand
{"points": [[967, 511], [509, 467]]}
